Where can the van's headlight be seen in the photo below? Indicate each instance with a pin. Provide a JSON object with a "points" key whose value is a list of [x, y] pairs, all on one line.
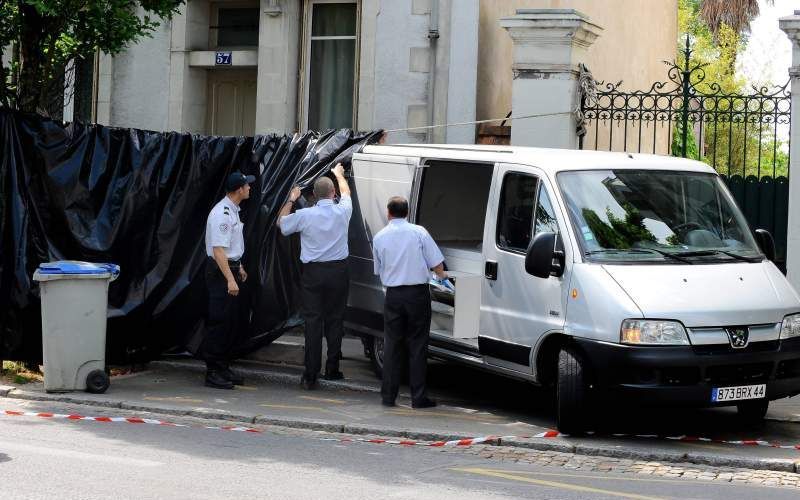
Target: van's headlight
{"points": [[791, 326], [653, 332]]}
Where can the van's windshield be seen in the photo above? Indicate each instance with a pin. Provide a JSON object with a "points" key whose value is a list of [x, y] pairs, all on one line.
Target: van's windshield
{"points": [[656, 216]]}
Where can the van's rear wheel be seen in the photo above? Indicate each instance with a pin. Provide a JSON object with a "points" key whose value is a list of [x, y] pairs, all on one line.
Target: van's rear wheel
{"points": [[753, 412], [572, 394], [376, 355]]}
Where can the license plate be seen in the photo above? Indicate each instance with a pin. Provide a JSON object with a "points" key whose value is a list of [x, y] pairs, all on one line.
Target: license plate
{"points": [[720, 394]]}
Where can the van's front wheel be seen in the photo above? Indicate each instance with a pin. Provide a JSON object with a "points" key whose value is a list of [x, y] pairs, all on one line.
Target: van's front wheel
{"points": [[752, 412], [572, 394]]}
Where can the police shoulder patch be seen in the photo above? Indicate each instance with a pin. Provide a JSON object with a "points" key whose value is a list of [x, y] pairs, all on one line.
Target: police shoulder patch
{"points": [[224, 227]]}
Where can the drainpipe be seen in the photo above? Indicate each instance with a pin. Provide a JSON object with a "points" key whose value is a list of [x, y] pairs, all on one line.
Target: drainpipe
{"points": [[433, 38]]}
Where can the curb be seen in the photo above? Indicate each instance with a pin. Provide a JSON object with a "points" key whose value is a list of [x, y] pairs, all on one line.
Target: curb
{"points": [[781, 465]]}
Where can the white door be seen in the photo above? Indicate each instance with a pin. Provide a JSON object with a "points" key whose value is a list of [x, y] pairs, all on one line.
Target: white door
{"points": [[517, 308], [231, 102]]}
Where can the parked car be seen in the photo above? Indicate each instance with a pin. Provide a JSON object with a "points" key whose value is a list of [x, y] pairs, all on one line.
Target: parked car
{"points": [[611, 276]]}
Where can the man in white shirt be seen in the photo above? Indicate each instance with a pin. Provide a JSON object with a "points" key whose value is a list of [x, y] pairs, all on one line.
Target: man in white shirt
{"points": [[404, 256], [325, 282], [224, 274]]}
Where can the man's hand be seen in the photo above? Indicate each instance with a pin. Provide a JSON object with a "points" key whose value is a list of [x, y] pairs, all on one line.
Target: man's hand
{"points": [[338, 171], [242, 274], [233, 288], [294, 195]]}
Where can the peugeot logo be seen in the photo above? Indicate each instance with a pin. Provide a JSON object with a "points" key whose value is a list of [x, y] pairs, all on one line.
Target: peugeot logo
{"points": [[739, 336]]}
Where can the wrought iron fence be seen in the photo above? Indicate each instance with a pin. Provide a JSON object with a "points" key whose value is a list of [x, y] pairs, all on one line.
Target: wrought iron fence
{"points": [[745, 137]]}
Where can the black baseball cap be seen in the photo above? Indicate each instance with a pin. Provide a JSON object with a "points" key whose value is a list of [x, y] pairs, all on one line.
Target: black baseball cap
{"points": [[237, 180]]}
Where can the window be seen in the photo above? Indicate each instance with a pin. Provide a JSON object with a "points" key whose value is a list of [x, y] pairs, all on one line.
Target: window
{"points": [[236, 26], [515, 218], [545, 215], [331, 65]]}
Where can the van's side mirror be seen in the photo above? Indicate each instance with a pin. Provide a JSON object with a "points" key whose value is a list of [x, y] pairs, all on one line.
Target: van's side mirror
{"points": [[766, 242], [545, 256]]}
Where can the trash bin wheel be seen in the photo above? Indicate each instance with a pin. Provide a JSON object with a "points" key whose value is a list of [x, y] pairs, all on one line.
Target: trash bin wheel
{"points": [[97, 382]]}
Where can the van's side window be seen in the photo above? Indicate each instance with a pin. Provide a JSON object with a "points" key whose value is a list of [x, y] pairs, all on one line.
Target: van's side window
{"points": [[515, 218], [545, 215]]}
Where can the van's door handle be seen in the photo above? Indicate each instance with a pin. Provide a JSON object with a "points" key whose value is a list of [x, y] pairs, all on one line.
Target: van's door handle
{"points": [[490, 271]]}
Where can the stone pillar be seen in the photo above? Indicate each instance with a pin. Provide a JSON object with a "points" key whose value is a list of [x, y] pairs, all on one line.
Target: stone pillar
{"points": [[548, 46], [278, 66], [791, 25]]}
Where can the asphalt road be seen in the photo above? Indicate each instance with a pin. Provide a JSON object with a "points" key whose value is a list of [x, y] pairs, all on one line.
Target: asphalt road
{"points": [[82, 459]]}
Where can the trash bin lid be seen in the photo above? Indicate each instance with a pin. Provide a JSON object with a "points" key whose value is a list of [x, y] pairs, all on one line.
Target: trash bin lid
{"points": [[73, 267]]}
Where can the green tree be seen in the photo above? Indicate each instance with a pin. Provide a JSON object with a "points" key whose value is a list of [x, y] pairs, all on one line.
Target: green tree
{"points": [[730, 143], [44, 35]]}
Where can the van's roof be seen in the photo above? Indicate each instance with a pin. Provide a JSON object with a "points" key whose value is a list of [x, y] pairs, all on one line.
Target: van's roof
{"points": [[555, 160]]}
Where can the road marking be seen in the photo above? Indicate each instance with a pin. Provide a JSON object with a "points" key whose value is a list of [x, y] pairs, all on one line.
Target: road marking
{"points": [[551, 484], [324, 400], [176, 399], [246, 388], [600, 478]]}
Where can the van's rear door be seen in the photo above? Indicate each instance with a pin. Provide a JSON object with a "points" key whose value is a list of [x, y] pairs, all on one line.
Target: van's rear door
{"points": [[375, 179]]}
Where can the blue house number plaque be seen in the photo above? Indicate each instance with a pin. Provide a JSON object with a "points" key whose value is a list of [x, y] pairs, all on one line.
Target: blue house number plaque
{"points": [[224, 59]]}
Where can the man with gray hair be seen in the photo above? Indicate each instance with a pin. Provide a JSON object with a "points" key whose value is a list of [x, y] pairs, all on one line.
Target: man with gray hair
{"points": [[325, 282]]}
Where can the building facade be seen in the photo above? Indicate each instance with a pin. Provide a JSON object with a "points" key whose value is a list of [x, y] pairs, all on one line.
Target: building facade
{"points": [[244, 67]]}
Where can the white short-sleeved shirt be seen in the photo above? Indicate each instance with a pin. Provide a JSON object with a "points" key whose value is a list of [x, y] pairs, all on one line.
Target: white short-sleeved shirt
{"points": [[404, 254], [224, 229], [322, 228]]}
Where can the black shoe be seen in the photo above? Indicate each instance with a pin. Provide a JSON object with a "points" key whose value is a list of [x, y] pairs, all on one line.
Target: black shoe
{"points": [[337, 375], [425, 403], [233, 376], [388, 403], [217, 381], [308, 384]]}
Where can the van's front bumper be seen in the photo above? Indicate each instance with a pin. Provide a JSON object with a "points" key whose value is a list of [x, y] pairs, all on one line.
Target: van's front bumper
{"points": [[686, 375]]}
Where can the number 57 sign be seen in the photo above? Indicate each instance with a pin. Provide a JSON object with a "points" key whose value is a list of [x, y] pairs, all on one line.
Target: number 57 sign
{"points": [[224, 59]]}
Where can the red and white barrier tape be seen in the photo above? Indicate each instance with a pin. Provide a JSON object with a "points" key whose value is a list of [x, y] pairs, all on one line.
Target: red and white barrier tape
{"points": [[128, 420], [688, 439], [400, 442]]}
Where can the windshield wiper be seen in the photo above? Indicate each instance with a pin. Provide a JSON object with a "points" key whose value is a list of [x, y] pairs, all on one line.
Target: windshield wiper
{"points": [[639, 251], [671, 255], [704, 253]]}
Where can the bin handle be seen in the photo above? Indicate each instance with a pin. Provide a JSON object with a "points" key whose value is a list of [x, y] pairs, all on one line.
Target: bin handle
{"points": [[113, 269]]}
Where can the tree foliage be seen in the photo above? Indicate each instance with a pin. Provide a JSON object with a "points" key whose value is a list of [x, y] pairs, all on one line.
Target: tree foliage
{"points": [[728, 142], [44, 35]]}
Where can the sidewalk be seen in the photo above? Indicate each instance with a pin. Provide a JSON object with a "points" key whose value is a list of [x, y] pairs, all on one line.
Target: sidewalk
{"points": [[273, 396]]}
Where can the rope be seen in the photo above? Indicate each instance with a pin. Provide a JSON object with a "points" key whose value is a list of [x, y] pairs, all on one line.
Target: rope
{"points": [[476, 122]]}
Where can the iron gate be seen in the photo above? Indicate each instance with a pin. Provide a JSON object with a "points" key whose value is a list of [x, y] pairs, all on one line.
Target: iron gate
{"points": [[745, 137]]}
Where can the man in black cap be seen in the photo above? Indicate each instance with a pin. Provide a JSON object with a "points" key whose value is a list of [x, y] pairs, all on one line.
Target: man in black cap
{"points": [[224, 274]]}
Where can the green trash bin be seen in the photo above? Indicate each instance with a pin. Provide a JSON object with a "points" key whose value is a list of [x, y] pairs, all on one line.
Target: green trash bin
{"points": [[74, 305]]}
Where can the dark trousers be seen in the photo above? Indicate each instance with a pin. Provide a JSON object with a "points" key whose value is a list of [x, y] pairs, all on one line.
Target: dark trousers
{"points": [[223, 318], [407, 320], [325, 287]]}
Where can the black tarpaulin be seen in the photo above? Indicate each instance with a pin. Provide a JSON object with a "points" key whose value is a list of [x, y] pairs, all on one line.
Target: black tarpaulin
{"points": [[140, 199]]}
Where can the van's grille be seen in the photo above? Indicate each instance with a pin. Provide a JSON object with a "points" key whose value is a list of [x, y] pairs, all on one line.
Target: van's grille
{"points": [[738, 374], [712, 349]]}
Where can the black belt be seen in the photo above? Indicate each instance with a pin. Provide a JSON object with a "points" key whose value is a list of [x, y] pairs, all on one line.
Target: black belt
{"points": [[401, 287], [343, 261]]}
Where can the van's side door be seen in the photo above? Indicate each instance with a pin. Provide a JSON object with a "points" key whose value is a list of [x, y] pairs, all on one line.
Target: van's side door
{"points": [[517, 309]]}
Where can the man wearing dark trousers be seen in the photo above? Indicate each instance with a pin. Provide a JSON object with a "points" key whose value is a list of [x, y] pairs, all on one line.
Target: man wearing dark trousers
{"points": [[224, 273], [325, 282], [404, 256]]}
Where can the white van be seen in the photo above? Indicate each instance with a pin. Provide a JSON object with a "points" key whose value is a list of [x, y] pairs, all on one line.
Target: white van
{"points": [[611, 276]]}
